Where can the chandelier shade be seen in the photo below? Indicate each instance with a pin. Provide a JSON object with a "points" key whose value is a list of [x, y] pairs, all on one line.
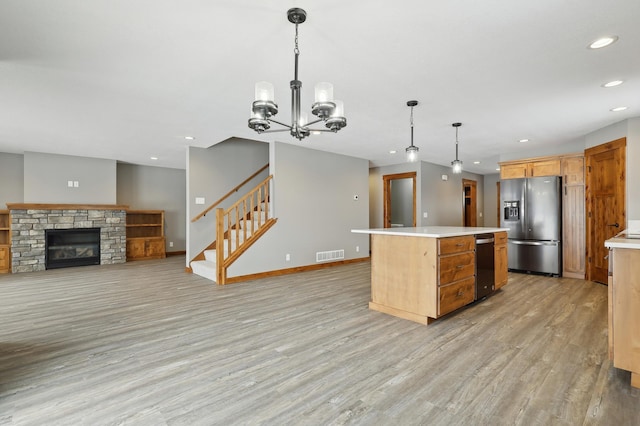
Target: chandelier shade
{"points": [[327, 110]]}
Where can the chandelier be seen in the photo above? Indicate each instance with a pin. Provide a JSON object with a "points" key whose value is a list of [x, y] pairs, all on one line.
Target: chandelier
{"points": [[412, 150], [457, 164], [328, 110]]}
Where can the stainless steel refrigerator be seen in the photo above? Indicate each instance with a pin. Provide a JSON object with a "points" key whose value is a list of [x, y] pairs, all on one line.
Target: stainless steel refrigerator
{"points": [[532, 210]]}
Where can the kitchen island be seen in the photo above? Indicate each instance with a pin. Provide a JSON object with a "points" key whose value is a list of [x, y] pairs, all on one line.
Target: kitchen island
{"points": [[424, 273], [624, 303]]}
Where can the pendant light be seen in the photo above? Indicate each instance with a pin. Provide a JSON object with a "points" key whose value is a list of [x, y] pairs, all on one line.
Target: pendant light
{"points": [[412, 151], [457, 164]]}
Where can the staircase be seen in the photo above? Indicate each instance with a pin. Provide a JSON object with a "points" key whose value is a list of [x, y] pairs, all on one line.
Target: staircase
{"points": [[240, 225]]}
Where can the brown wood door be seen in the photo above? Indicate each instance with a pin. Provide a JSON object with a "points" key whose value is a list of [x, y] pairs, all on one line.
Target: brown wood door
{"points": [[389, 196], [470, 213], [605, 202]]}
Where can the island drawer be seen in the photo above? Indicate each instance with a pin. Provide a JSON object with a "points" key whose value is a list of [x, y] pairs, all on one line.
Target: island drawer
{"points": [[456, 244], [456, 295], [456, 267], [500, 238]]}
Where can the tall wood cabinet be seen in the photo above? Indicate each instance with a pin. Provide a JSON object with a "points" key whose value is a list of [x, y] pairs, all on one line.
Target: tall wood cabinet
{"points": [[571, 168], [573, 217], [145, 234], [5, 242]]}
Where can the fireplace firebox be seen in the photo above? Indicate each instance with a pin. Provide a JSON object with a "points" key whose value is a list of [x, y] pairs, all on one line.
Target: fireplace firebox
{"points": [[72, 247]]}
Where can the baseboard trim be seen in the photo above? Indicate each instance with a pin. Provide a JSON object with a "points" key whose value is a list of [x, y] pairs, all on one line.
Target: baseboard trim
{"points": [[278, 272], [176, 253]]}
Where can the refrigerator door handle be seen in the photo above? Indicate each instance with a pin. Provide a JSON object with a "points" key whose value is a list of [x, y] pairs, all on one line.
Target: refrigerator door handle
{"points": [[535, 243]]}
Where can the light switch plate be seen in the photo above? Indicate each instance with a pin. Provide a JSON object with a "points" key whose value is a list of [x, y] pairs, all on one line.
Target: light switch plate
{"points": [[199, 200]]}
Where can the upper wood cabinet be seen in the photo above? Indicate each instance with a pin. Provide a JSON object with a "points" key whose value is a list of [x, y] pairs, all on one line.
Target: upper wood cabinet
{"points": [[573, 170], [533, 168]]}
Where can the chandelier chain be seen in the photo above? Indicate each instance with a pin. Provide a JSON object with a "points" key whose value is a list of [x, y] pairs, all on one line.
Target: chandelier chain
{"points": [[296, 50]]}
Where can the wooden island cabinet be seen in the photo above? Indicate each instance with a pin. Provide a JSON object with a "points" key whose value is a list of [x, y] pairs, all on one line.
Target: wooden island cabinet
{"points": [[424, 273], [624, 305]]}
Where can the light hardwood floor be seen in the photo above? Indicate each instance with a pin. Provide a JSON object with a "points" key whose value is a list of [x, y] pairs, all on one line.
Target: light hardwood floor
{"points": [[146, 344]]}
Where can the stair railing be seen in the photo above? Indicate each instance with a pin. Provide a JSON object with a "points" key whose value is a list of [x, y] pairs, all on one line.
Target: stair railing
{"points": [[233, 235], [228, 194]]}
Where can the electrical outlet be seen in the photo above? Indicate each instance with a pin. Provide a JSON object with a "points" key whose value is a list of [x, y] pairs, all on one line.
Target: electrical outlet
{"points": [[425, 215], [170, 243], [76, 184], [357, 249], [70, 183], [287, 257]]}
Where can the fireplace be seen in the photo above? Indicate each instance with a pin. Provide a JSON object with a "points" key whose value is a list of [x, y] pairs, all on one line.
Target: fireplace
{"points": [[72, 247]]}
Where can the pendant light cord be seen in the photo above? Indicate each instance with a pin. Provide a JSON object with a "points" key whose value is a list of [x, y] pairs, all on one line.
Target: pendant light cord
{"points": [[456, 143], [411, 120]]}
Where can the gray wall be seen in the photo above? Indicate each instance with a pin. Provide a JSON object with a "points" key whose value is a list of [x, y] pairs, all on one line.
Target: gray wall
{"points": [[402, 202], [491, 197], [11, 179], [444, 200], [376, 191], [156, 188], [46, 177], [211, 173], [441, 200], [315, 207]]}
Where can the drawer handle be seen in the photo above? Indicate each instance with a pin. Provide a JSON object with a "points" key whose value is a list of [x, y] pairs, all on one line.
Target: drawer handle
{"points": [[459, 266], [460, 293], [459, 245]]}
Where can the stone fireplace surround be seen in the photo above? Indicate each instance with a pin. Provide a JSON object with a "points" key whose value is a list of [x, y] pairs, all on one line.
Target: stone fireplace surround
{"points": [[29, 222]]}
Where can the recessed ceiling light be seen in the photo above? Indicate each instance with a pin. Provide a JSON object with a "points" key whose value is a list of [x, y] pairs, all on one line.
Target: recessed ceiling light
{"points": [[523, 140], [603, 42], [620, 108], [476, 162], [154, 158], [189, 138], [393, 151], [613, 83]]}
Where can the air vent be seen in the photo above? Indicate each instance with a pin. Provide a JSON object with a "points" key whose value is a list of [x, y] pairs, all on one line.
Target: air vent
{"points": [[323, 256]]}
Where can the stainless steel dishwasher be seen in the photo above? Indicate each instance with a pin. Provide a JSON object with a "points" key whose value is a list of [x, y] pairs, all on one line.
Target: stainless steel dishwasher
{"points": [[485, 275]]}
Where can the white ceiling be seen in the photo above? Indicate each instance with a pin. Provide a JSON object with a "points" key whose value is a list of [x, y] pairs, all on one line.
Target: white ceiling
{"points": [[128, 79]]}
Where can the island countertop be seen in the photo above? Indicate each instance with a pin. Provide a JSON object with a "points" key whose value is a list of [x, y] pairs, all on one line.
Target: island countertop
{"points": [[431, 231], [623, 241]]}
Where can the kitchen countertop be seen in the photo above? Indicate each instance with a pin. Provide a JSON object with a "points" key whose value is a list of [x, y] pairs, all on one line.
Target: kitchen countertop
{"points": [[624, 240], [433, 231]]}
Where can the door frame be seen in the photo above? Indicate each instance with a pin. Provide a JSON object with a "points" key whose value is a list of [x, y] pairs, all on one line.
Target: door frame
{"points": [[589, 202], [474, 201], [386, 185]]}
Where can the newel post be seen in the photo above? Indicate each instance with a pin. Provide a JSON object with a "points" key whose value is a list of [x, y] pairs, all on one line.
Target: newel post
{"points": [[221, 273]]}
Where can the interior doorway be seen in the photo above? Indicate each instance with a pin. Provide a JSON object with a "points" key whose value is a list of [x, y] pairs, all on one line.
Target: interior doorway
{"points": [[399, 193], [605, 167], [470, 209]]}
